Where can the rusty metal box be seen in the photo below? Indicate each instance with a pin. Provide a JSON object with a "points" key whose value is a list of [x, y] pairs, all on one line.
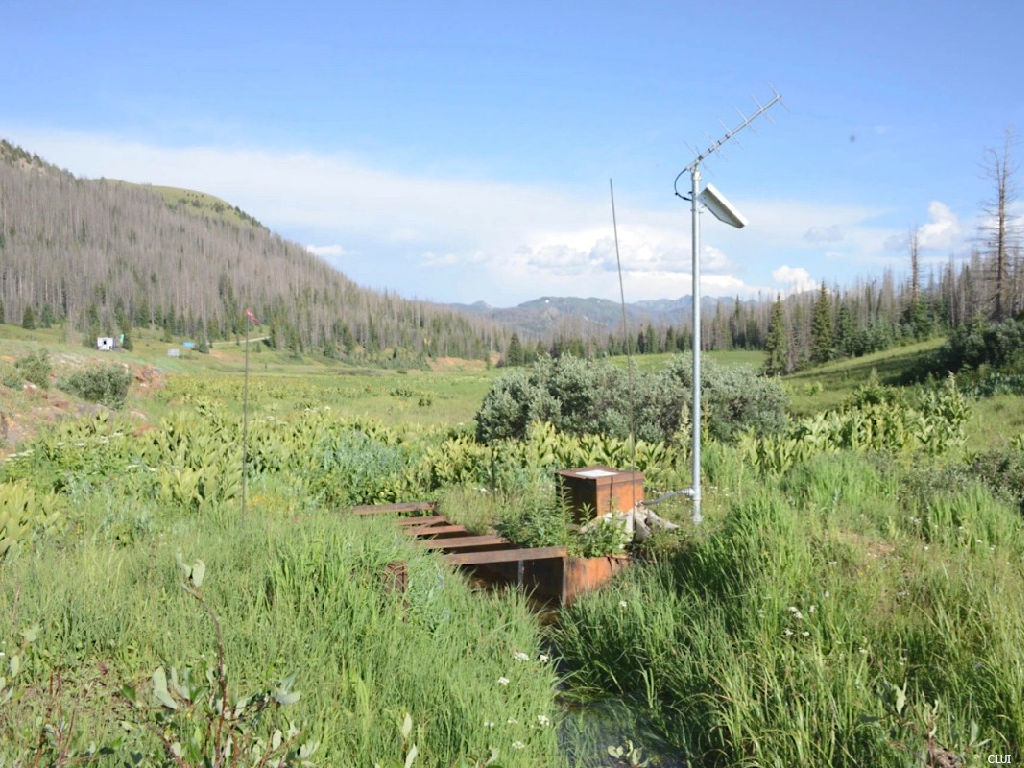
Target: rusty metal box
{"points": [[598, 490]]}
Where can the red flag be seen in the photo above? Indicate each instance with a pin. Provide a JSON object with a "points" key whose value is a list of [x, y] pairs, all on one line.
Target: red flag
{"points": [[252, 317]]}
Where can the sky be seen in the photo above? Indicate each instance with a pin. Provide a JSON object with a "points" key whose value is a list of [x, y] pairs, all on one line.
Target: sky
{"points": [[464, 151]]}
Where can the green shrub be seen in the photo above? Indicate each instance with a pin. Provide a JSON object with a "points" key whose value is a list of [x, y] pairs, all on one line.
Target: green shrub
{"points": [[10, 376], [106, 384], [539, 520], [1002, 471], [24, 511], [875, 418], [581, 397], [978, 342], [604, 537], [35, 367]]}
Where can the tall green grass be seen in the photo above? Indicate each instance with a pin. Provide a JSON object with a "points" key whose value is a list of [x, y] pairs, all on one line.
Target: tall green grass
{"points": [[298, 594], [783, 634]]}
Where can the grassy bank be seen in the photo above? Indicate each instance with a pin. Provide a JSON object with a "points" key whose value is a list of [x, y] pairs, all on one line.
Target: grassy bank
{"points": [[298, 595], [850, 612]]}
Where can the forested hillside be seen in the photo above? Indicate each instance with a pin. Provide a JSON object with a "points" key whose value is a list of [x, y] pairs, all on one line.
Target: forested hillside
{"points": [[105, 256]]}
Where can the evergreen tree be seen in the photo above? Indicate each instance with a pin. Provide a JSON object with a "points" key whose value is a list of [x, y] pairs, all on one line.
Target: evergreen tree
{"points": [[845, 332], [777, 342], [670, 339], [28, 319], [514, 355], [821, 327], [2, 318], [650, 339], [142, 316]]}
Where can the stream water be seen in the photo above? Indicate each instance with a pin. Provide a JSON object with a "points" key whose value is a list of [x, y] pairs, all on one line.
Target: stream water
{"points": [[588, 728], [587, 731]]}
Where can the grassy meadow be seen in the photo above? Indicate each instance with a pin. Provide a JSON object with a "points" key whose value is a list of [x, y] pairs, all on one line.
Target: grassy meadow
{"points": [[856, 603]]}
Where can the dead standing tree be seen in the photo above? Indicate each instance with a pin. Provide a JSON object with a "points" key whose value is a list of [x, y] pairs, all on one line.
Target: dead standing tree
{"points": [[1000, 230]]}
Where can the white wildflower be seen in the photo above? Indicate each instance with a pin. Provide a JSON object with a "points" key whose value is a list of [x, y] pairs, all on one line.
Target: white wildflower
{"points": [[806, 634], [543, 720], [520, 656], [543, 658], [623, 604], [488, 724], [502, 681], [787, 632], [518, 745]]}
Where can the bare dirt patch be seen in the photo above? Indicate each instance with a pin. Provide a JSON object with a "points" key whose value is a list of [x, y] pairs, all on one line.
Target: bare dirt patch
{"points": [[29, 409]]}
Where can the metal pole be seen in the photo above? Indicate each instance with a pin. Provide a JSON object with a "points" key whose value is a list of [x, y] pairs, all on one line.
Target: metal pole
{"points": [[694, 169], [695, 412], [245, 417]]}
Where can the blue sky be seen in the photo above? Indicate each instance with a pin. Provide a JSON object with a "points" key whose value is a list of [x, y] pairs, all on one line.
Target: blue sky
{"points": [[462, 151]]}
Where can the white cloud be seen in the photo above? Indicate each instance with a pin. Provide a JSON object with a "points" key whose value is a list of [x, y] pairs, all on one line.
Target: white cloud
{"points": [[467, 239], [797, 279], [831, 234], [712, 259], [326, 250], [943, 231]]}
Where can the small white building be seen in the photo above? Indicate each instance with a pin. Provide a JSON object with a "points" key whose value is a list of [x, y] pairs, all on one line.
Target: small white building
{"points": [[105, 342]]}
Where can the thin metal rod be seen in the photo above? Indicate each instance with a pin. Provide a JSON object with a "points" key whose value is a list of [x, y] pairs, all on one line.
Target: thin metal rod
{"points": [[245, 416], [629, 357], [695, 412], [625, 335]]}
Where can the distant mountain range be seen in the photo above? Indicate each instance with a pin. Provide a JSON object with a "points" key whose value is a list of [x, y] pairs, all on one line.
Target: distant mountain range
{"points": [[554, 315]]}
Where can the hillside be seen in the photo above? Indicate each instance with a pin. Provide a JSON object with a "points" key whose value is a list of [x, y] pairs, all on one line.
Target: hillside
{"points": [[105, 256]]}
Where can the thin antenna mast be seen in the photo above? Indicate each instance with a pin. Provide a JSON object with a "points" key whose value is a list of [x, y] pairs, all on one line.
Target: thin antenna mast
{"points": [[629, 357], [625, 335], [249, 318], [693, 168]]}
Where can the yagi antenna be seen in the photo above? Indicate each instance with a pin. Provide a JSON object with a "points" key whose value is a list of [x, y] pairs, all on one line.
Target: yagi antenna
{"points": [[746, 120], [726, 212]]}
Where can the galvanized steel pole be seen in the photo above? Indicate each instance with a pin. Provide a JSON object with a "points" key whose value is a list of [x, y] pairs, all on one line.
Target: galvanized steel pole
{"points": [[695, 411], [723, 211]]}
